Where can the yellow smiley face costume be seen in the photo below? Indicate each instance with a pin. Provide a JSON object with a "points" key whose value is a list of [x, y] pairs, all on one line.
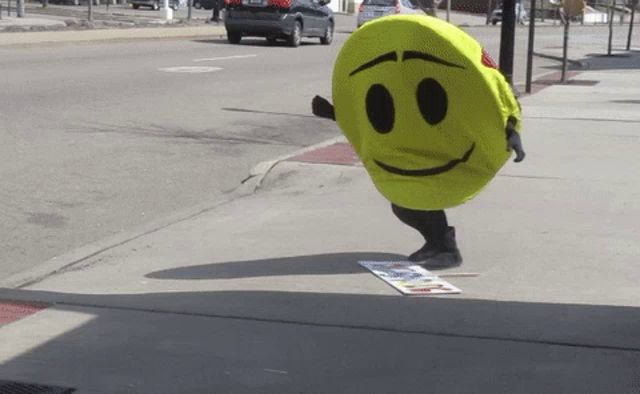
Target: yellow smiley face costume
{"points": [[425, 109]]}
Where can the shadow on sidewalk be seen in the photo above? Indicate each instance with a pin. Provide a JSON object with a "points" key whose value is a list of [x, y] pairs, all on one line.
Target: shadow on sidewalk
{"points": [[324, 264], [629, 60], [282, 342]]}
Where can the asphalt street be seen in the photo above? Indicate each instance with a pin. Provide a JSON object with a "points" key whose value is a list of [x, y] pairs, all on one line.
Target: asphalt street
{"points": [[99, 138]]}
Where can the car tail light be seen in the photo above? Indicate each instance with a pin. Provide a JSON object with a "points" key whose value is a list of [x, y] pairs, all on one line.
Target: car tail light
{"points": [[233, 2], [488, 61], [397, 6], [279, 3]]}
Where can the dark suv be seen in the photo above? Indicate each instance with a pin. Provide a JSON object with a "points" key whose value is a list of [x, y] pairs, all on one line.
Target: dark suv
{"points": [[279, 19]]}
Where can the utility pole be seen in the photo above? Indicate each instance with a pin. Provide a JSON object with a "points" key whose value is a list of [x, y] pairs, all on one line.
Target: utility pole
{"points": [[507, 38]]}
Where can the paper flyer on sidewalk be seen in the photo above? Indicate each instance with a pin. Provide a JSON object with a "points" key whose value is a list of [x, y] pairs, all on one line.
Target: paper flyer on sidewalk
{"points": [[409, 278]]}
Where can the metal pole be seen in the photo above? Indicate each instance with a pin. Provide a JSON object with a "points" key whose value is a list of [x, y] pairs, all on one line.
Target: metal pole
{"points": [[489, 11], [90, 11], [565, 49], [633, 13], [507, 38], [190, 5], [168, 12], [532, 28], [613, 4], [448, 10]]}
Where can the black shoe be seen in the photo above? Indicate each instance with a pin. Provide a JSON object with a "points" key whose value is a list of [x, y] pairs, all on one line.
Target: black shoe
{"points": [[422, 254], [445, 259], [447, 256]]}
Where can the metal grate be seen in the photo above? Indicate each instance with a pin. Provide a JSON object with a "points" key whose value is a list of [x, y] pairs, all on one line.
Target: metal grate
{"points": [[9, 387]]}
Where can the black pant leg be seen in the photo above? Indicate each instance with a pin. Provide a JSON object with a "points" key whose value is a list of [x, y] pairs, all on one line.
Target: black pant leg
{"points": [[432, 225]]}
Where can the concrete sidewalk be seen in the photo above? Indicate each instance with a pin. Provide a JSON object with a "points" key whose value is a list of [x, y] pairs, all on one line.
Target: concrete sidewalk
{"points": [[262, 292]]}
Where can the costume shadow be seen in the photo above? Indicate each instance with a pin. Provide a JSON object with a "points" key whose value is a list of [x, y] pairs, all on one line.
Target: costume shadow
{"points": [[326, 264]]}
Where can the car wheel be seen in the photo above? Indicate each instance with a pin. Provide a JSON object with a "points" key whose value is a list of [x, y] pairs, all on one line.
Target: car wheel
{"points": [[494, 22], [156, 6], [328, 35], [135, 6], [234, 37], [296, 35], [197, 5]]}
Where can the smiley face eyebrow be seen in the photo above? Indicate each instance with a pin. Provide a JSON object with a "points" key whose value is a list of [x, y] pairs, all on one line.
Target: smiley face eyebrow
{"points": [[391, 56], [406, 55]]}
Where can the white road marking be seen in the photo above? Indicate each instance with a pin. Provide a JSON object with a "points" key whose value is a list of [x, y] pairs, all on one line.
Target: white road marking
{"points": [[211, 59], [189, 69], [276, 371]]}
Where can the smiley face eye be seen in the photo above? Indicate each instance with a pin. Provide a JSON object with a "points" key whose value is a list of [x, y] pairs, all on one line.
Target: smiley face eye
{"points": [[432, 101], [380, 109]]}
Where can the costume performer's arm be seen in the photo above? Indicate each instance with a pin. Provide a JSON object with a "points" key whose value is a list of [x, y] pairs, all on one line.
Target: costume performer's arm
{"points": [[321, 107], [513, 139]]}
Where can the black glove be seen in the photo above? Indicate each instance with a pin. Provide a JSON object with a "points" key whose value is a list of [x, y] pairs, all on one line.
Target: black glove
{"points": [[513, 140], [321, 107]]}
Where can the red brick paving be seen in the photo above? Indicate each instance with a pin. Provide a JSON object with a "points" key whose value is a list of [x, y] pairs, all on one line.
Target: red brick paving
{"points": [[339, 153], [11, 311]]}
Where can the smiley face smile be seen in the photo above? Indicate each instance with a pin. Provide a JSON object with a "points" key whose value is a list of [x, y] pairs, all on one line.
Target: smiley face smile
{"points": [[427, 171]]}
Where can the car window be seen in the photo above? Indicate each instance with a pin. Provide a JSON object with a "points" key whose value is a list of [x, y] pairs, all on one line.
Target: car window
{"points": [[387, 3]]}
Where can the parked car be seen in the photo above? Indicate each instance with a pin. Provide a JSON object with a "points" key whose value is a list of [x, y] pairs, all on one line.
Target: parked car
{"points": [[521, 14], [372, 9], [279, 19], [154, 4], [205, 4]]}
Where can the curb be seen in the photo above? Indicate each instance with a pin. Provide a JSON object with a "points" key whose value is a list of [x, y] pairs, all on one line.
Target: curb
{"points": [[260, 171], [118, 34], [70, 260]]}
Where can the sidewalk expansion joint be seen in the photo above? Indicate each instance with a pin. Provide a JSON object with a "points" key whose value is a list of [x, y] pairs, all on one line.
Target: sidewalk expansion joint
{"points": [[359, 327]]}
